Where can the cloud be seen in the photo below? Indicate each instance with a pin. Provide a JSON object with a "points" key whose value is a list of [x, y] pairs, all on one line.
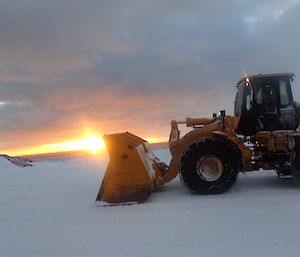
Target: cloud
{"points": [[132, 65]]}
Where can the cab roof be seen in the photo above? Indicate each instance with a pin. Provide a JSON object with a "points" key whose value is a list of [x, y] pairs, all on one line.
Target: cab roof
{"points": [[291, 75]]}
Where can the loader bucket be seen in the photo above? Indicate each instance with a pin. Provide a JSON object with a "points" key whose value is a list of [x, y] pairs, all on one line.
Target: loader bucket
{"points": [[132, 172]]}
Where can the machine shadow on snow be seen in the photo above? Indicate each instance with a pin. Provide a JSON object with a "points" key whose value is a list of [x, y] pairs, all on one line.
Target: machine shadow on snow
{"points": [[246, 183], [251, 182]]}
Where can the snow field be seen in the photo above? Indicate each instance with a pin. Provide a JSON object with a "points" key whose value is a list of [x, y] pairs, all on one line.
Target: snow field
{"points": [[48, 210]]}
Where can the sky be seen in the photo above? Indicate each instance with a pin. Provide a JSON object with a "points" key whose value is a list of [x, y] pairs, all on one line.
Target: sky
{"points": [[69, 68]]}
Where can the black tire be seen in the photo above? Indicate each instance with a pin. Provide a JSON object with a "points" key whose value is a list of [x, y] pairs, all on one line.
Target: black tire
{"points": [[295, 170], [210, 148], [285, 172]]}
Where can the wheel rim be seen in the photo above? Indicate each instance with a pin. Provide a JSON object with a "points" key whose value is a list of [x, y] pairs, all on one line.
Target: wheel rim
{"points": [[210, 168]]}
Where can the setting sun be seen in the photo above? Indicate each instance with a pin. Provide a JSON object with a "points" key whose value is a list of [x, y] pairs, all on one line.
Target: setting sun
{"points": [[93, 143]]}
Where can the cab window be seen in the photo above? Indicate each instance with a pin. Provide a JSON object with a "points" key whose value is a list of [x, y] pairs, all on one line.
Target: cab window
{"points": [[283, 90], [248, 98], [259, 96]]}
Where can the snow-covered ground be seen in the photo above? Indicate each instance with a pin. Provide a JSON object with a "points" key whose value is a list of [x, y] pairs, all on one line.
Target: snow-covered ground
{"points": [[48, 210]]}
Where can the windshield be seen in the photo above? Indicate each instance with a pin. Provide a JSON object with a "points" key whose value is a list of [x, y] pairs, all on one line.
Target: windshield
{"points": [[269, 99]]}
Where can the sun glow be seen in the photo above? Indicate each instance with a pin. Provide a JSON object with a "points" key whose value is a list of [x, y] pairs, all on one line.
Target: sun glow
{"points": [[156, 139], [90, 143]]}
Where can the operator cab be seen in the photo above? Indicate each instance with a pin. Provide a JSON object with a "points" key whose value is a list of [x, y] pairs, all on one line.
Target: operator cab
{"points": [[264, 102]]}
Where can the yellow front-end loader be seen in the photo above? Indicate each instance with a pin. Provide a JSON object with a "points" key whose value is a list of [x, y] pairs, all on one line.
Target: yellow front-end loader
{"points": [[262, 134]]}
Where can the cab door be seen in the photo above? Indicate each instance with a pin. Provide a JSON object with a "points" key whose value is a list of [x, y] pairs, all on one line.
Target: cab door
{"points": [[244, 109]]}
